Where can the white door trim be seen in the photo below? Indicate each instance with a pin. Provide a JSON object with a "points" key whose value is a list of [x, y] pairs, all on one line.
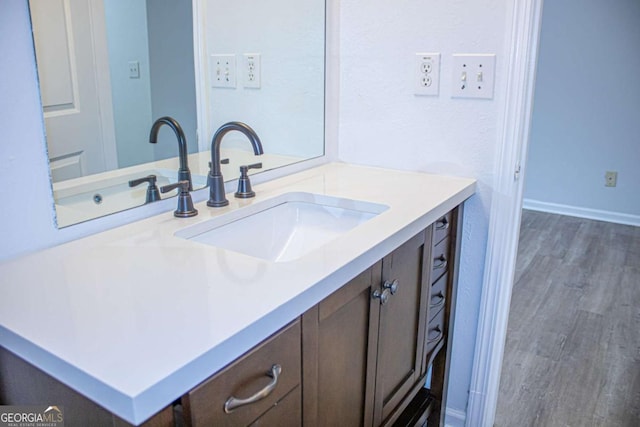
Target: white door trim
{"points": [[103, 83], [203, 91], [504, 225]]}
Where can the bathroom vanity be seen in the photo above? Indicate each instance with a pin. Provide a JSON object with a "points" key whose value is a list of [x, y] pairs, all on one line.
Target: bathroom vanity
{"points": [[152, 324]]}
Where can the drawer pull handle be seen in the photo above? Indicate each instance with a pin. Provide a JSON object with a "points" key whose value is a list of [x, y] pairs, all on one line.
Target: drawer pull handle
{"points": [[441, 264], [442, 224], [439, 300], [437, 337], [234, 403]]}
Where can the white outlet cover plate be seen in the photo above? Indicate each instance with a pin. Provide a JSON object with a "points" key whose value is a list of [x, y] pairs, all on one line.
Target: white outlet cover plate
{"points": [[473, 75], [251, 70], [223, 71], [426, 74]]}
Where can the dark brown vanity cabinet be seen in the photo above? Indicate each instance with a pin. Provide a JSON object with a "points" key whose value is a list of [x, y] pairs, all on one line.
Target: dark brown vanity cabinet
{"points": [[358, 358], [367, 348]]}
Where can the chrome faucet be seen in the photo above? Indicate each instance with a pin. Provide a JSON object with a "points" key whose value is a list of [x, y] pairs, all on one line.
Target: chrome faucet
{"points": [[215, 180], [184, 174]]}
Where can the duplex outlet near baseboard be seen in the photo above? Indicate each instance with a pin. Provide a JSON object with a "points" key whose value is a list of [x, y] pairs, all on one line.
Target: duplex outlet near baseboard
{"points": [[426, 73], [610, 178]]}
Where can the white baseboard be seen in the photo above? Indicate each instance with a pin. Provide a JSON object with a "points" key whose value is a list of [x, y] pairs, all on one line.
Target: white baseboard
{"points": [[556, 208], [454, 418]]}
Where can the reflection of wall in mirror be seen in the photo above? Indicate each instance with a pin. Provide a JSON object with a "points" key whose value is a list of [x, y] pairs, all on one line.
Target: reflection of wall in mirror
{"points": [[158, 36], [287, 111]]}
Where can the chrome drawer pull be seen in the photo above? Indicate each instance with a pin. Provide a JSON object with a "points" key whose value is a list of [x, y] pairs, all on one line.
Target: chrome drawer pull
{"points": [[441, 264], [234, 403], [439, 302], [437, 337], [442, 224]]}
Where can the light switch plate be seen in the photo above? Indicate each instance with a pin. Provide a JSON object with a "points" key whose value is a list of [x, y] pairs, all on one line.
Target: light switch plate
{"points": [[473, 75], [223, 71]]}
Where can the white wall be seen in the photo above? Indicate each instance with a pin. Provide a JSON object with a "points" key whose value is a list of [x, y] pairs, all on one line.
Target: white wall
{"points": [[586, 116], [26, 217], [127, 40], [383, 123]]}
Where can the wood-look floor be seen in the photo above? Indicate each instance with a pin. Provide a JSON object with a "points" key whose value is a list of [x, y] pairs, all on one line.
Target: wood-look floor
{"points": [[572, 355]]}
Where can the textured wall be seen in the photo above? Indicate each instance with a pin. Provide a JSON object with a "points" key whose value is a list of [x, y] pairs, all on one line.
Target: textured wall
{"points": [[586, 117], [382, 123]]}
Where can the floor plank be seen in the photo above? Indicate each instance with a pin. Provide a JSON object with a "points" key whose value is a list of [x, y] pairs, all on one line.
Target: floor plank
{"points": [[572, 355]]}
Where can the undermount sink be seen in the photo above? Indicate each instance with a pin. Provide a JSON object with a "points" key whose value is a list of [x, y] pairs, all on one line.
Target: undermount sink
{"points": [[284, 228]]}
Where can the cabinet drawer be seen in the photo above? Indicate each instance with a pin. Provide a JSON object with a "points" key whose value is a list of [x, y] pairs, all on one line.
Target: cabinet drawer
{"points": [[435, 332], [438, 296], [441, 228], [285, 413], [440, 261], [253, 372]]}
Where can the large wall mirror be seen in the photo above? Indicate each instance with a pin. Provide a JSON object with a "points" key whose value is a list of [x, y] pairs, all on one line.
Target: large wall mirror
{"points": [[109, 68]]}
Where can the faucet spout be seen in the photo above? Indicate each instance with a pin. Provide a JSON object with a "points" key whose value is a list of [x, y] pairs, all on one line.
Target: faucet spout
{"points": [[215, 179], [184, 174]]}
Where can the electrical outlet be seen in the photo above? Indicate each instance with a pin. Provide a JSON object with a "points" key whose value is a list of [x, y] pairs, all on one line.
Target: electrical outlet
{"points": [[610, 178], [426, 73], [134, 69], [223, 71], [251, 65], [473, 76]]}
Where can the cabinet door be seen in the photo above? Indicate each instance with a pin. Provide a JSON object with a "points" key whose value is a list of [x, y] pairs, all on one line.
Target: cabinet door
{"points": [[403, 320], [339, 345]]}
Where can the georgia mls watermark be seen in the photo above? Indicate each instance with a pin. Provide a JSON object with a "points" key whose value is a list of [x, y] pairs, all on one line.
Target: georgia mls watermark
{"points": [[31, 416]]}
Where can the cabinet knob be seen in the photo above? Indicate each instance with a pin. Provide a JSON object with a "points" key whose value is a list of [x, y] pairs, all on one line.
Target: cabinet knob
{"points": [[435, 334], [437, 300], [391, 285], [441, 262], [382, 296], [442, 224]]}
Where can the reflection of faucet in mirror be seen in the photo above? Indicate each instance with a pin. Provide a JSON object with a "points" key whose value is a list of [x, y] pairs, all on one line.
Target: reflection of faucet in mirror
{"points": [[184, 174], [215, 179], [153, 194]]}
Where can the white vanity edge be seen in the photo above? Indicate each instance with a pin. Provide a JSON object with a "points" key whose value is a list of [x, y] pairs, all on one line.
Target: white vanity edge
{"points": [[283, 292]]}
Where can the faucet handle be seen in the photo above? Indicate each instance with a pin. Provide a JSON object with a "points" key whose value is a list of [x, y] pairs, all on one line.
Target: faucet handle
{"points": [[153, 195], [222, 162], [185, 203], [244, 185]]}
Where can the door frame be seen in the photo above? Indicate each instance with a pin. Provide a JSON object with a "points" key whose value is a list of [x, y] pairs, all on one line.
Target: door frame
{"points": [[522, 38], [103, 82]]}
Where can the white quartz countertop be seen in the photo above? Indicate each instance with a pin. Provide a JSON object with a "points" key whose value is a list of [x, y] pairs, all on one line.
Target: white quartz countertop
{"points": [[134, 317]]}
